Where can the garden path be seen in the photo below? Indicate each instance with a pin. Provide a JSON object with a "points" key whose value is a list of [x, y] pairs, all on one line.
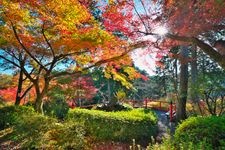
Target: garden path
{"points": [[166, 128]]}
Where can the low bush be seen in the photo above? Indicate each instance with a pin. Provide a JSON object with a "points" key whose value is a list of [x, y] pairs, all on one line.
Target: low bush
{"points": [[35, 131], [123, 126], [210, 130], [69, 135], [168, 144], [11, 115], [195, 133], [57, 107], [114, 107]]}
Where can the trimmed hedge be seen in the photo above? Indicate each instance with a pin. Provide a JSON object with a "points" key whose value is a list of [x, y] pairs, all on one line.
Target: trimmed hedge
{"points": [[35, 131], [210, 130], [123, 126]]}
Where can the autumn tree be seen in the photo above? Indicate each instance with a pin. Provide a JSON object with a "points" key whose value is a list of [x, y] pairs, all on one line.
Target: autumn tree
{"points": [[11, 90], [76, 89], [111, 85], [14, 58], [169, 23], [57, 35], [183, 21]]}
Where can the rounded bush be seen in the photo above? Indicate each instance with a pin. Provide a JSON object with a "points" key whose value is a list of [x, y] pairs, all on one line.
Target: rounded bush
{"points": [[211, 130]]}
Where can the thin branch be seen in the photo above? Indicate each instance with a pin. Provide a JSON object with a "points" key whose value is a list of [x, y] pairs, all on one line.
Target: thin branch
{"points": [[146, 33], [26, 91], [46, 40], [18, 66], [62, 56], [142, 3], [12, 62], [100, 62], [135, 9], [28, 75], [31, 72], [23, 46], [11, 54]]}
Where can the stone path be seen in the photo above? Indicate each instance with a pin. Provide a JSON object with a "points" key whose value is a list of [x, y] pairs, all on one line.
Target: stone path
{"points": [[166, 128]]}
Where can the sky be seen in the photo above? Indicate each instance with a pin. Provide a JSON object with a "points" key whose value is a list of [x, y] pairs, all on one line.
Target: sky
{"points": [[144, 62], [143, 59], [6, 71]]}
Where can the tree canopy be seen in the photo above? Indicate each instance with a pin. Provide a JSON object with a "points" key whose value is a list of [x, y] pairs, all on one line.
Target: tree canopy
{"points": [[171, 22], [42, 37]]}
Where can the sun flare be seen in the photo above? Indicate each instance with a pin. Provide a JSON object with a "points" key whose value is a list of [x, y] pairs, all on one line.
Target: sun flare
{"points": [[160, 30]]}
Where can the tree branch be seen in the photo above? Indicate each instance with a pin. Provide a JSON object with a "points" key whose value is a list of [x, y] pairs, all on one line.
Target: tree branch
{"points": [[23, 46], [12, 62], [209, 50], [100, 62], [139, 16], [26, 91], [46, 40]]}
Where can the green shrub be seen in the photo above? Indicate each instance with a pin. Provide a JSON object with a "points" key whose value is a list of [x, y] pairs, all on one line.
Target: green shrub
{"points": [[114, 107], [11, 115], [136, 124], [35, 131], [69, 135], [211, 130], [40, 132], [57, 107], [168, 144]]}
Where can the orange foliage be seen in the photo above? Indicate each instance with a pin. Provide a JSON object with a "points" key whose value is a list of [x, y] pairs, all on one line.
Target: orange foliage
{"points": [[9, 95], [68, 26]]}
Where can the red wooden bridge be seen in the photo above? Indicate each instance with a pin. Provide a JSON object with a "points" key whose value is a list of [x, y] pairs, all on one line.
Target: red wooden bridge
{"points": [[168, 107], [155, 104]]}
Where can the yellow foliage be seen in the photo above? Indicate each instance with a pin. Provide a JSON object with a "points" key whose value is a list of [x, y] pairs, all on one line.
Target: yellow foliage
{"points": [[120, 95], [132, 72]]}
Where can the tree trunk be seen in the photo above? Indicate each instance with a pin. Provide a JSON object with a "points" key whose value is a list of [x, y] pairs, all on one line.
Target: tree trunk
{"points": [[164, 84], [175, 76], [109, 91], [38, 106], [194, 74], [183, 88], [19, 88]]}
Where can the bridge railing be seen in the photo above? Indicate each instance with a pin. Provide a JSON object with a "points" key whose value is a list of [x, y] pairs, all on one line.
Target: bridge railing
{"points": [[155, 104]]}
